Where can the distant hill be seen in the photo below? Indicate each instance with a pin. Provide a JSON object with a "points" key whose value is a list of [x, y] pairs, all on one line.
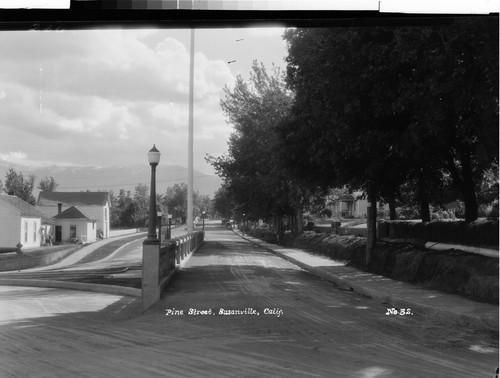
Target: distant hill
{"points": [[74, 179]]}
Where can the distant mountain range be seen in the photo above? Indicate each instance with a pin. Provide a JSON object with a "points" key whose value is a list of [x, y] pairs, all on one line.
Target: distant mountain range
{"points": [[75, 179]]}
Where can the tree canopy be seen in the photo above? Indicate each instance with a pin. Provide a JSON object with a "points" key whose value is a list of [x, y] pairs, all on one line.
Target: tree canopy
{"points": [[48, 184], [132, 210], [222, 203], [384, 106], [20, 186], [252, 171]]}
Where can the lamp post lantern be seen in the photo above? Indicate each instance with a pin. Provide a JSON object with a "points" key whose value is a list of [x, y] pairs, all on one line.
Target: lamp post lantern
{"points": [[153, 159]]}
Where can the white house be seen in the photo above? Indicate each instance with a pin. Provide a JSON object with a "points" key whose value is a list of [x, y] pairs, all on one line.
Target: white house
{"points": [[22, 223], [95, 205], [353, 205], [73, 223]]}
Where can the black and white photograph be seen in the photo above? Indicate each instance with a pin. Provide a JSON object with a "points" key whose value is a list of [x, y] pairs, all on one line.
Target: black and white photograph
{"points": [[211, 188]]}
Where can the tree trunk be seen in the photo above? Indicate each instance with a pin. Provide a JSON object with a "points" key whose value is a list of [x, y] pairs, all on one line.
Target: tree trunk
{"points": [[464, 182], [392, 209], [300, 219], [280, 231], [423, 198], [468, 192], [371, 238]]}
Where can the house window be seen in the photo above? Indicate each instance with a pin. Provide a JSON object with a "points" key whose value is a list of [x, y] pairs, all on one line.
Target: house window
{"points": [[72, 232], [93, 225], [25, 232], [34, 231]]}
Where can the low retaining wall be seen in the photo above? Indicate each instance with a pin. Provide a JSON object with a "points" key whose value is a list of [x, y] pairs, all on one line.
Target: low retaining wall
{"points": [[336, 228], [34, 259], [161, 262]]}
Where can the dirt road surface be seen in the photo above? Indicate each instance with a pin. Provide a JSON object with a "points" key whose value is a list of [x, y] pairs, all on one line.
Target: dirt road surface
{"points": [[236, 311]]}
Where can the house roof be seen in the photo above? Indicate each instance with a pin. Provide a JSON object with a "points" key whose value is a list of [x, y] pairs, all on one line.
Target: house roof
{"points": [[73, 212], [73, 198], [25, 209], [353, 196]]}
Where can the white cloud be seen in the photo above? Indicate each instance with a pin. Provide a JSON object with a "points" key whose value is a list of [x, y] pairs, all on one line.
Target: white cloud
{"points": [[166, 113], [17, 156], [108, 95]]}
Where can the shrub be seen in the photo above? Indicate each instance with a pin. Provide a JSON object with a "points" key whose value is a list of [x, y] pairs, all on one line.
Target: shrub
{"points": [[439, 214]]}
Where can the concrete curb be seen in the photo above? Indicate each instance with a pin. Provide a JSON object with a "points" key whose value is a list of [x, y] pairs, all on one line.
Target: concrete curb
{"points": [[482, 322], [106, 289]]}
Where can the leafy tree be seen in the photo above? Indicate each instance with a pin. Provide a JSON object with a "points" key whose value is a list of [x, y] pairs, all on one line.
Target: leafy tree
{"points": [[175, 200], [254, 176], [456, 80], [123, 209], [48, 184], [115, 210], [202, 202], [222, 203], [381, 107], [489, 186], [344, 129], [128, 216], [20, 186], [141, 205]]}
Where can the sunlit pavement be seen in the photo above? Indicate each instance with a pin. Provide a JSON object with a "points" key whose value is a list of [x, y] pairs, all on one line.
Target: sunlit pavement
{"points": [[20, 304]]}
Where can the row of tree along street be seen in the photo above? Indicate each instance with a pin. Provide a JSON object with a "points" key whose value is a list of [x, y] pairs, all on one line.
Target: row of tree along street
{"points": [[132, 210], [408, 114], [127, 209]]}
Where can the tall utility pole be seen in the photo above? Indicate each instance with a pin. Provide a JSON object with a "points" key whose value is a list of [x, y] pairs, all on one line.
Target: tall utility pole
{"points": [[190, 139]]}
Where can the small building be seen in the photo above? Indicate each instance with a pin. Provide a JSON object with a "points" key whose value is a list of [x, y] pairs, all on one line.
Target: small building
{"points": [[353, 205], [94, 204], [74, 225], [22, 223], [350, 206]]}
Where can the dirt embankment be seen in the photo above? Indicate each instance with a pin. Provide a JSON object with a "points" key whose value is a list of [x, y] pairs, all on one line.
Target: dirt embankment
{"points": [[457, 272]]}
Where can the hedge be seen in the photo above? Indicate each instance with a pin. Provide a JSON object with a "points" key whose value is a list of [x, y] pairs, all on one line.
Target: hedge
{"points": [[482, 233]]}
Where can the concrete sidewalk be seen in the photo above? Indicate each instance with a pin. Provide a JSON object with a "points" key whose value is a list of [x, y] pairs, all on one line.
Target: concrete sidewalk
{"points": [[395, 294]]}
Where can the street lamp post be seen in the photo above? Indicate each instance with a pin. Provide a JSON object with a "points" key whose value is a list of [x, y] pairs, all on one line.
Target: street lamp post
{"points": [[159, 213], [203, 217], [243, 224], [169, 229], [153, 159]]}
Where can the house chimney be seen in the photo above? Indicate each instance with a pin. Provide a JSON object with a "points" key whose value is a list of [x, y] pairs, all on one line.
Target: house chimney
{"points": [[59, 208]]}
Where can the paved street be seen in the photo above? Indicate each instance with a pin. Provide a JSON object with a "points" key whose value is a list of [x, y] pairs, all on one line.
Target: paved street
{"points": [[234, 310]]}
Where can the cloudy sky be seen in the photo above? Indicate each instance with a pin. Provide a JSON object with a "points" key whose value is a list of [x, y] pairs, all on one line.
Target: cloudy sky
{"points": [[103, 97]]}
